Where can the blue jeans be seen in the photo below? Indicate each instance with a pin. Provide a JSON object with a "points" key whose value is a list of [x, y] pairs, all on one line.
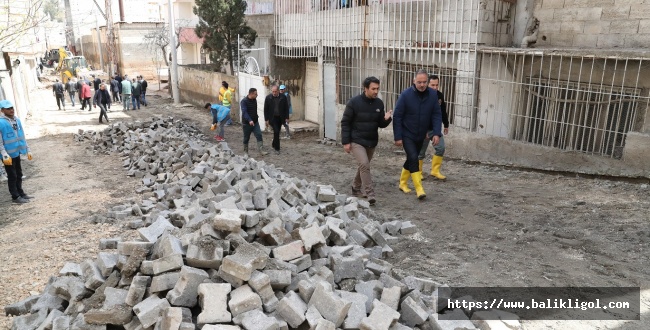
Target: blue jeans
{"points": [[439, 149], [143, 98], [136, 100], [125, 101], [229, 121], [72, 95], [248, 129]]}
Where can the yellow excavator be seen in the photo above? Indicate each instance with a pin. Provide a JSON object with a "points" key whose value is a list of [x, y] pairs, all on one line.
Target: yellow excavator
{"points": [[71, 66]]}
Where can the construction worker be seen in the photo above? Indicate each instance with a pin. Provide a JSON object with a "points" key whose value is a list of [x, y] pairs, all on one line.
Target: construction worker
{"points": [[436, 161], [417, 112], [220, 115], [225, 97], [12, 145]]}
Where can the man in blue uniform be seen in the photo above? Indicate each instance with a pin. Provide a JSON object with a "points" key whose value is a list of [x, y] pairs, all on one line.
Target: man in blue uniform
{"points": [[12, 145]]}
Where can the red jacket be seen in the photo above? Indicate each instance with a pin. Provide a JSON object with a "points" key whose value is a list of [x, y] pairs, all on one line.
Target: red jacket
{"points": [[85, 92]]}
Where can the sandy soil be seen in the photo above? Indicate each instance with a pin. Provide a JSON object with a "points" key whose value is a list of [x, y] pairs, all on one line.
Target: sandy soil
{"points": [[484, 226]]}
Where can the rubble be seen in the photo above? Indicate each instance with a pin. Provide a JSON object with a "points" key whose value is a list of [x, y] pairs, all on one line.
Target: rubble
{"points": [[229, 242]]}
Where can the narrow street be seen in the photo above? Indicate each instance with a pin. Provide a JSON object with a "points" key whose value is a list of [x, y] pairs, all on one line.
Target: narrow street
{"points": [[484, 226]]}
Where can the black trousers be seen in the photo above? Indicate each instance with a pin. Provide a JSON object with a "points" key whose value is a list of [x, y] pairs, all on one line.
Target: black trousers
{"points": [[84, 102], [116, 97], [102, 112], [276, 124], [412, 149], [60, 101], [15, 178]]}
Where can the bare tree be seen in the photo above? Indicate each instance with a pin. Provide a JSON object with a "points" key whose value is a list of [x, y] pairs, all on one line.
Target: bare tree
{"points": [[157, 40], [17, 18]]}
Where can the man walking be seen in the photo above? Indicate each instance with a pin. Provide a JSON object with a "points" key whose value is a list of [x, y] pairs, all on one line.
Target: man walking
{"points": [[85, 96], [143, 96], [276, 113], [57, 91], [364, 115], [12, 145], [250, 121], [126, 93], [136, 90], [78, 85], [439, 150], [417, 111], [115, 90], [103, 100], [71, 88], [286, 124]]}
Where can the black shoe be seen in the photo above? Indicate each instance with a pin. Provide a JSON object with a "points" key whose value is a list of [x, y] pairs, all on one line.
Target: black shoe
{"points": [[20, 200], [26, 196], [372, 200]]}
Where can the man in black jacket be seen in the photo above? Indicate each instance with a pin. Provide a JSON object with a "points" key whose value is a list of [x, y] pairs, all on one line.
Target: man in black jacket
{"points": [[276, 113], [57, 90], [103, 100], [364, 115], [250, 121]]}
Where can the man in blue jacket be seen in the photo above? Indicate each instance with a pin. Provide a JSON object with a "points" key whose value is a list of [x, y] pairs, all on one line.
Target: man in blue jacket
{"points": [[417, 111], [12, 145]]}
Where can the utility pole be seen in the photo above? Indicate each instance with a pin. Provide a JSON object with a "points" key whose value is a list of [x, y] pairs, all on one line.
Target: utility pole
{"points": [[69, 27], [172, 43], [99, 44], [110, 42]]}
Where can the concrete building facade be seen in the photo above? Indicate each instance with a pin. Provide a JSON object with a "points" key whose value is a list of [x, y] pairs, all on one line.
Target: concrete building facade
{"points": [[557, 85]]}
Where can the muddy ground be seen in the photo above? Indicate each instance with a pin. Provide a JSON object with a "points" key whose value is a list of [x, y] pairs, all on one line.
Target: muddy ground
{"points": [[484, 226]]}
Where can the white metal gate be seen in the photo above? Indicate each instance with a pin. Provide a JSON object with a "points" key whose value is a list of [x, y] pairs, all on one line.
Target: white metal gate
{"points": [[329, 100], [312, 102], [247, 81]]}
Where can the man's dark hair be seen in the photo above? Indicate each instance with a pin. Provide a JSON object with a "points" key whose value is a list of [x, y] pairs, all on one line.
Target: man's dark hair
{"points": [[252, 90], [207, 105], [224, 84], [433, 77], [370, 80]]}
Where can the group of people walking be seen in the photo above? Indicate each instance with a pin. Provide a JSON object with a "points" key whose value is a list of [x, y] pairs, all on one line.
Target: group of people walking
{"points": [[418, 119], [131, 93], [277, 109]]}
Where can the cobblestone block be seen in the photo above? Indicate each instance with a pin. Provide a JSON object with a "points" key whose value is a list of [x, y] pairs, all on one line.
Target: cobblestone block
{"points": [[243, 299], [150, 310], [185, 292], [381, 317], [328, 304], [213, 298]]}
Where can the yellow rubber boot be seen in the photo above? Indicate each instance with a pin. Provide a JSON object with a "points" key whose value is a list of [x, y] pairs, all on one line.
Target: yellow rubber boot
{"points": [[417, 183], [436, 162], [420, 162], [403, 181]]}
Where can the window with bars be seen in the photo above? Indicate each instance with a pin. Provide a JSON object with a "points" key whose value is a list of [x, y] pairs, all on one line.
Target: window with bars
{"points": [[589, 118], [400, 76]]}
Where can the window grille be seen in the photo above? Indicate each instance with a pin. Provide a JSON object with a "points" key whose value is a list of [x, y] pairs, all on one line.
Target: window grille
{"points": [[575, 116]]}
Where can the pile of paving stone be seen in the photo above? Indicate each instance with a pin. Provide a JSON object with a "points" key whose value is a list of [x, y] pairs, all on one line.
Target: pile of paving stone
{"points": [[228, 242]]}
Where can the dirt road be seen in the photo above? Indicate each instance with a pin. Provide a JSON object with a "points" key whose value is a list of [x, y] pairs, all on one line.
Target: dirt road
{"points": [[484, 226]]}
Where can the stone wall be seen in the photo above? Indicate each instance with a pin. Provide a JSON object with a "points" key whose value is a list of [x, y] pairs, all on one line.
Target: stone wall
{"points": [[593, 23], [199, 87]]}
